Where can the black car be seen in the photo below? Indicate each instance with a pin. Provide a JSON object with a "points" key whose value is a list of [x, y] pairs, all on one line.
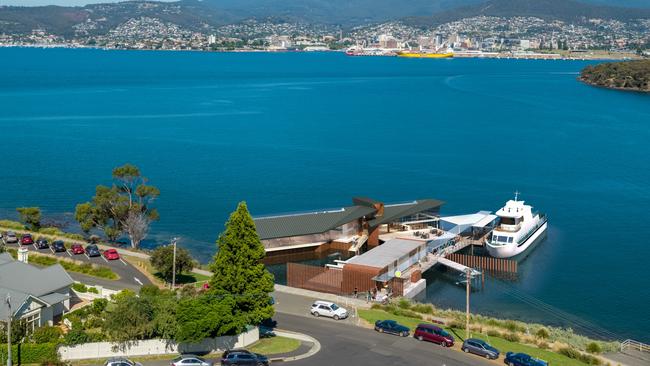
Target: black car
{"points": [[58, 246], [92, 251], [42, 243], [243, 357], [392, 327]]}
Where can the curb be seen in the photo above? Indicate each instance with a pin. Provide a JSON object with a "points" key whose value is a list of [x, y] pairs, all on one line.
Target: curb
{"points": [[301, 337]]}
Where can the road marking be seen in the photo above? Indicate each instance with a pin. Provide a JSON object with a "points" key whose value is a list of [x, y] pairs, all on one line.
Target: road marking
{"points": [[68, 251], [138, 281], [123, 262], [86, 254], [104, 258]]}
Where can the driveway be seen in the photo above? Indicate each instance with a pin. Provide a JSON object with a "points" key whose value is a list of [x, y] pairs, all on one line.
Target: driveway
{"points": [[130, 277]]}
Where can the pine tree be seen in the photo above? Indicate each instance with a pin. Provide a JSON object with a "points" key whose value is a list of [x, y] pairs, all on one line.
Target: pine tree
{"points": [[238, 271]]}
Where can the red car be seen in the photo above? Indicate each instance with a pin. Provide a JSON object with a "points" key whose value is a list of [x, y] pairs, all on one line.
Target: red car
{"points": [[26, 240], [77, 249], [431, 333], [111, 254]]}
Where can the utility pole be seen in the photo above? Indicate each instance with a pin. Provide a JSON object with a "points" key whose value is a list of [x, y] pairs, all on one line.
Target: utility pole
{"points": [[468, 271], [174, 240], [9, 330]]}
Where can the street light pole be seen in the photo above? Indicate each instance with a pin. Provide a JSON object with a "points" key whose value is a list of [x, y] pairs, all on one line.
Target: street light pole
{"points": [[174, 240], [9, 330], [469, 274]]}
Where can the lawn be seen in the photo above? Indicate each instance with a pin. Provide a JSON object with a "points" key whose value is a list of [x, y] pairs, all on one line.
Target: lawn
{"points": [[275, 345], [501, 344]]}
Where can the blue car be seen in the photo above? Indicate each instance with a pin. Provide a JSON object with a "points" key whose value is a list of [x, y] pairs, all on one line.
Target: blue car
{"points": [[522, 359], [391, 327]]}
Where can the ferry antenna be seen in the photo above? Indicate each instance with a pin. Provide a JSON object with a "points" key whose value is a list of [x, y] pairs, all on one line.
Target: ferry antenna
{"points": [[516, 195]]}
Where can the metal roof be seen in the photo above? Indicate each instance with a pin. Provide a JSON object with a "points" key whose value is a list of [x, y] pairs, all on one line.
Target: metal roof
{"points": [[308, 223], [387, 253], [394, 212]]}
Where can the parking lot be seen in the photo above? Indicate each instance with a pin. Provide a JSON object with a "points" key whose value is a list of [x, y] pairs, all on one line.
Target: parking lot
{"points": [[130, 277]]}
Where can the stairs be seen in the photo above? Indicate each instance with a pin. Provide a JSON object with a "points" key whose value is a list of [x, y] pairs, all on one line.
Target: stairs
{"points": [[358, 244]]}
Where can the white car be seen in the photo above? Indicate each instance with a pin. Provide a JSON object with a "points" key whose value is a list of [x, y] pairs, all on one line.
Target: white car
{"points": [[329, 309]]}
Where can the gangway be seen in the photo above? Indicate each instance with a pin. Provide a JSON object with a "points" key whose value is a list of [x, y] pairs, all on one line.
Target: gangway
{"points": [[358, 244], [458, 267]]}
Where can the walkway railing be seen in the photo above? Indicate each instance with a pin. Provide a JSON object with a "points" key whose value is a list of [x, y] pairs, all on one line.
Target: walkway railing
{"points": [[631, 344]]}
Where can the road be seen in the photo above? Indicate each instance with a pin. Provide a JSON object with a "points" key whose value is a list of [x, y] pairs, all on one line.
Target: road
{"points": [[130, 277]]}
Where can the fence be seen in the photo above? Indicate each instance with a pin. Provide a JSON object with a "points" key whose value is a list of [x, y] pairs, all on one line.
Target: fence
{"points": [[484, 263], [156, 347]]}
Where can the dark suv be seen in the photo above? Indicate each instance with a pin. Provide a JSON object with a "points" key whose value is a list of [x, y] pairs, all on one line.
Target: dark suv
{"points": [[92, 251], [58, 246], [243, 357]]}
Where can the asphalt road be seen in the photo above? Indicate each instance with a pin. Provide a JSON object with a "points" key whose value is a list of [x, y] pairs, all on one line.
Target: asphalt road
{"points": [[130, 277]]}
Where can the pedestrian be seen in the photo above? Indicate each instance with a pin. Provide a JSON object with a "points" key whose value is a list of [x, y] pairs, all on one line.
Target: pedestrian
{"points": [[368, 296], [356, 291]]}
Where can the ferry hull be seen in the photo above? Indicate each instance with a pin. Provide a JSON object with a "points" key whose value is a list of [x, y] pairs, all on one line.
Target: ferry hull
{"points": [[425, 55], [514, 250]]}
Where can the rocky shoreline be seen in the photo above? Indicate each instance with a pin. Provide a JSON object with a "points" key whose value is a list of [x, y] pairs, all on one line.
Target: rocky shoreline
{"points": [[626, 75]]}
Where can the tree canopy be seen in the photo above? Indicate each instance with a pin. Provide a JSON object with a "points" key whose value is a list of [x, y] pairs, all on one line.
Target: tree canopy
{"points": [[30, 216], [626, 75], [162, 259], [124, 207], [239, 272]]}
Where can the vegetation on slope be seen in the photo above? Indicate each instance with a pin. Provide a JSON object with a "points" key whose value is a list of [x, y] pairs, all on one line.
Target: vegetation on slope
{"points": [[627, 75]]}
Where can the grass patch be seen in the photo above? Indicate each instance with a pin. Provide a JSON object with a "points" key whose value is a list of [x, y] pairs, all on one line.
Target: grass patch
{"points": [[501, 344], [275, 345]]}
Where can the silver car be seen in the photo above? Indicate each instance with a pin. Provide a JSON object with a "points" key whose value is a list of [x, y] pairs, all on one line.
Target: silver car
{"points": [[10, 238], [190, 360], [480, 347], [121, 361]]}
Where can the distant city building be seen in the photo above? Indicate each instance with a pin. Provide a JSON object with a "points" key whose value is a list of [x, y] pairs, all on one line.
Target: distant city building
{"points": [[524, 44]]}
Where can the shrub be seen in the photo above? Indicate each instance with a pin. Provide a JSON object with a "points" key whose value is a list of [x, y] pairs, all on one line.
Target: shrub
{"points": [[98, 306], [31, 353], [14, 225], [577, 355], [47, 335], [542, 333], [512, 326], [404, 303], [594, 347], [493, 333], [93, 290], [423, 308], [76, 336], [542, 345], [79, 287], [456, 324], [512, 337], [377, 307]]}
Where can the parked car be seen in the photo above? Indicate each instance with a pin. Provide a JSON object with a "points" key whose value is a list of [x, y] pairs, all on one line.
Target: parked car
{"points": [[329, 309], [480, 347], [243, 357], [26, 239], [121, 361], [431, 333], [111, 254], [190, 360], [522, 359], [58, 246], [92, 251], [42, 243], [77, 249], [391, 327], [10, 238]]}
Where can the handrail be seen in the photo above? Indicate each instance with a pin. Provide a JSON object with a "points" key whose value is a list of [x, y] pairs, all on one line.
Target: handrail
{"points": [[634, 345]]}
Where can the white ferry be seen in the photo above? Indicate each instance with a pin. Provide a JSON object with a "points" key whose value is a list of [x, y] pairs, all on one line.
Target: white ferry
{"points": [[517, 230]]}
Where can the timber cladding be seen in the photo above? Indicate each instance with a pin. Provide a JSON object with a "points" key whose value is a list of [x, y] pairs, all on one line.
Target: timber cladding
{"points": [[485, 263], [359, 277], [314, 278]]}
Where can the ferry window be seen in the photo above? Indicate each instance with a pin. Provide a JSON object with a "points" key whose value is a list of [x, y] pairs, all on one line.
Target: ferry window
{"points": [[508, 220], [503, 239], [510, 239]]}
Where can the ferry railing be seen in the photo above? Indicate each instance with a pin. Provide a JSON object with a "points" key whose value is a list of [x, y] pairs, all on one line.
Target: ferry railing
{"points": [[631, 344]]}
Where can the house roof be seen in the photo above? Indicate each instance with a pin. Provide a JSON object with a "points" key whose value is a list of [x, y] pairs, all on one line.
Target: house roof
{"points": [[283, 226], [387, 253], [308, 223], [21, 281]]}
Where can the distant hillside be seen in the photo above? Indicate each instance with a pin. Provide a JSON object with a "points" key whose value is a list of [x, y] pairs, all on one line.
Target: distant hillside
{"points": [[200, 15], [566, 10], [627, 75]]}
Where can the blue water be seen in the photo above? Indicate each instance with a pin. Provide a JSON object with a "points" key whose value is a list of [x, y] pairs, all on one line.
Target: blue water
{"points": [[289, 132]]}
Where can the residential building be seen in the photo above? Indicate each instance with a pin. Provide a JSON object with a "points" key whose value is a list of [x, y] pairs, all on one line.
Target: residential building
{"points": [[37, 295]]}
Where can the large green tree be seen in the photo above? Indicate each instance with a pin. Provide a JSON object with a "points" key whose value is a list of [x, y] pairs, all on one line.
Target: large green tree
{"points": [[239, 272], [124, 207], [129, 317], [205, 316], [162, 259], [30, 216]]}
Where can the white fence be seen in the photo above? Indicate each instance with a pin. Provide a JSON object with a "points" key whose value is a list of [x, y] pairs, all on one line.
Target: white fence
{"points": [[156, 347]]}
